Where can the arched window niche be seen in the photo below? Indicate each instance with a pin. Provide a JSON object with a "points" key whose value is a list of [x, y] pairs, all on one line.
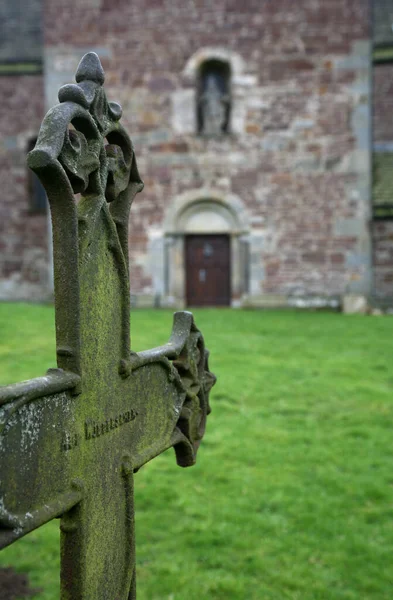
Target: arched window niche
{"points": [[213, 98], [227, 68]]}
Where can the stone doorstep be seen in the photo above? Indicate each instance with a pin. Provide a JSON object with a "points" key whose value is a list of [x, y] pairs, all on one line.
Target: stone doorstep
{"points": [[287, 301], [310, 302], [265, 301], [350, 303], [146, 301]]}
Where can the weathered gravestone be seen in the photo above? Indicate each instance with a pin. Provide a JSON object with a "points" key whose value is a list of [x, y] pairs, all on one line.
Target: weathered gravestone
{"points": [[71, 441]]}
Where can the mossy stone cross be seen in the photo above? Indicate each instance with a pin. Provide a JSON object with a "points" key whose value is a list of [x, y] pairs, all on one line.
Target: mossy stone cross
{"points": [[71, 441]]}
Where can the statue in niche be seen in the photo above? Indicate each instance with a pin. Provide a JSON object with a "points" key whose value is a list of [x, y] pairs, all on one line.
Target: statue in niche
{"points": [[214, 107]]}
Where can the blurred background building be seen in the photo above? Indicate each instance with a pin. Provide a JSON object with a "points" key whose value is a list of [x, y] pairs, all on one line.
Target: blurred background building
{"points": [[252, 124], [382, 148]]}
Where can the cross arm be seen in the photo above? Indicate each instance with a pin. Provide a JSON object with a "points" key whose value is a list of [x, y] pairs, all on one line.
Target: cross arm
{"points": [[31, 493], [179, 382]]}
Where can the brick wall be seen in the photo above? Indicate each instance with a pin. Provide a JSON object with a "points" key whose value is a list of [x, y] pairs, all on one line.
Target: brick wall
{"points": [[383, 102], [297, 157], [23, 236], [383, 141], [383, 259]]}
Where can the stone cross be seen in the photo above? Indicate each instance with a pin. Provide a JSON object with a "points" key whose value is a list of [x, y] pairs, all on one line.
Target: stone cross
{"points": [[71, 441]]}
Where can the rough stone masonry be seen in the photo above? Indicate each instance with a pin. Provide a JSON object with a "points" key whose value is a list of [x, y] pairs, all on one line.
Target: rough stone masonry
{"points": [[289, 183]]}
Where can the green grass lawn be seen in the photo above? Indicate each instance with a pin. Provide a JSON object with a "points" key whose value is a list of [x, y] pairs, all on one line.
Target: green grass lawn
{"points": [[292, 496]]}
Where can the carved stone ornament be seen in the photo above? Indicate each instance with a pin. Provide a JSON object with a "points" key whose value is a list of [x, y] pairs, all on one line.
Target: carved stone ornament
{"points": [[214, 107], [70, 441]]}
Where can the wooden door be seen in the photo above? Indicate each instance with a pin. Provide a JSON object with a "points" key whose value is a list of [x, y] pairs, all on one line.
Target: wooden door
{"points": [[208, 270]]}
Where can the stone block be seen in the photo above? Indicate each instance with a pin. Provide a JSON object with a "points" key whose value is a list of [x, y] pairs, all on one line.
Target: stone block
{"points": [[265, 301], [300, 124], [314, 302], [184, 111], [245, 80], [348, 227], [353, 304], [144, 301], [357, 260]]}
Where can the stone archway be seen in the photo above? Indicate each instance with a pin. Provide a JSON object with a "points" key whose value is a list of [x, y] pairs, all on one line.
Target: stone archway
{"points": [[213, 53], [184, 100], [205, 212]]}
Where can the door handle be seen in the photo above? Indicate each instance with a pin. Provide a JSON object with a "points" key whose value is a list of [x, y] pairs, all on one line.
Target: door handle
{"points": [[202, 275]]}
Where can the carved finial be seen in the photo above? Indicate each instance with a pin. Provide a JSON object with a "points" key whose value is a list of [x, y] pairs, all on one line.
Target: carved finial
{"points": [[83, 148], [90, 69], [88, 91], [90, 78]]}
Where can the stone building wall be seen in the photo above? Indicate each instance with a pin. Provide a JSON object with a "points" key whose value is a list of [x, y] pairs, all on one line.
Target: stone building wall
{"points": [[21, 32], [383, 103], [383, 260], [23, 235], [290, 183], [383, 188]]}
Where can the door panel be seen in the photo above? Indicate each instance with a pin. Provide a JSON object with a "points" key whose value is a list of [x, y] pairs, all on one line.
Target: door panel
{"points": [[208, 270]]}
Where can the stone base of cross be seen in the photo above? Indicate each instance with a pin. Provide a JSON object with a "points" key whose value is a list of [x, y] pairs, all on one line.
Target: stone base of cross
{"points": [[70, 442]]}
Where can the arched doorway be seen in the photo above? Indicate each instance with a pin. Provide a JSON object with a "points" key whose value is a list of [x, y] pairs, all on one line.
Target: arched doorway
{"points": [[208, 270], [206, 262]]}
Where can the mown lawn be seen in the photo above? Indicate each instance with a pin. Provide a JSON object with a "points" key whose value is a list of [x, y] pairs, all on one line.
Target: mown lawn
{"points": [[292, 497]]}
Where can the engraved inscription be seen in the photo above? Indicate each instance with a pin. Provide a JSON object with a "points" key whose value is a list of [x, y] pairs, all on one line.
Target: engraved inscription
{"points": [[94, 429], [69, 441]]}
